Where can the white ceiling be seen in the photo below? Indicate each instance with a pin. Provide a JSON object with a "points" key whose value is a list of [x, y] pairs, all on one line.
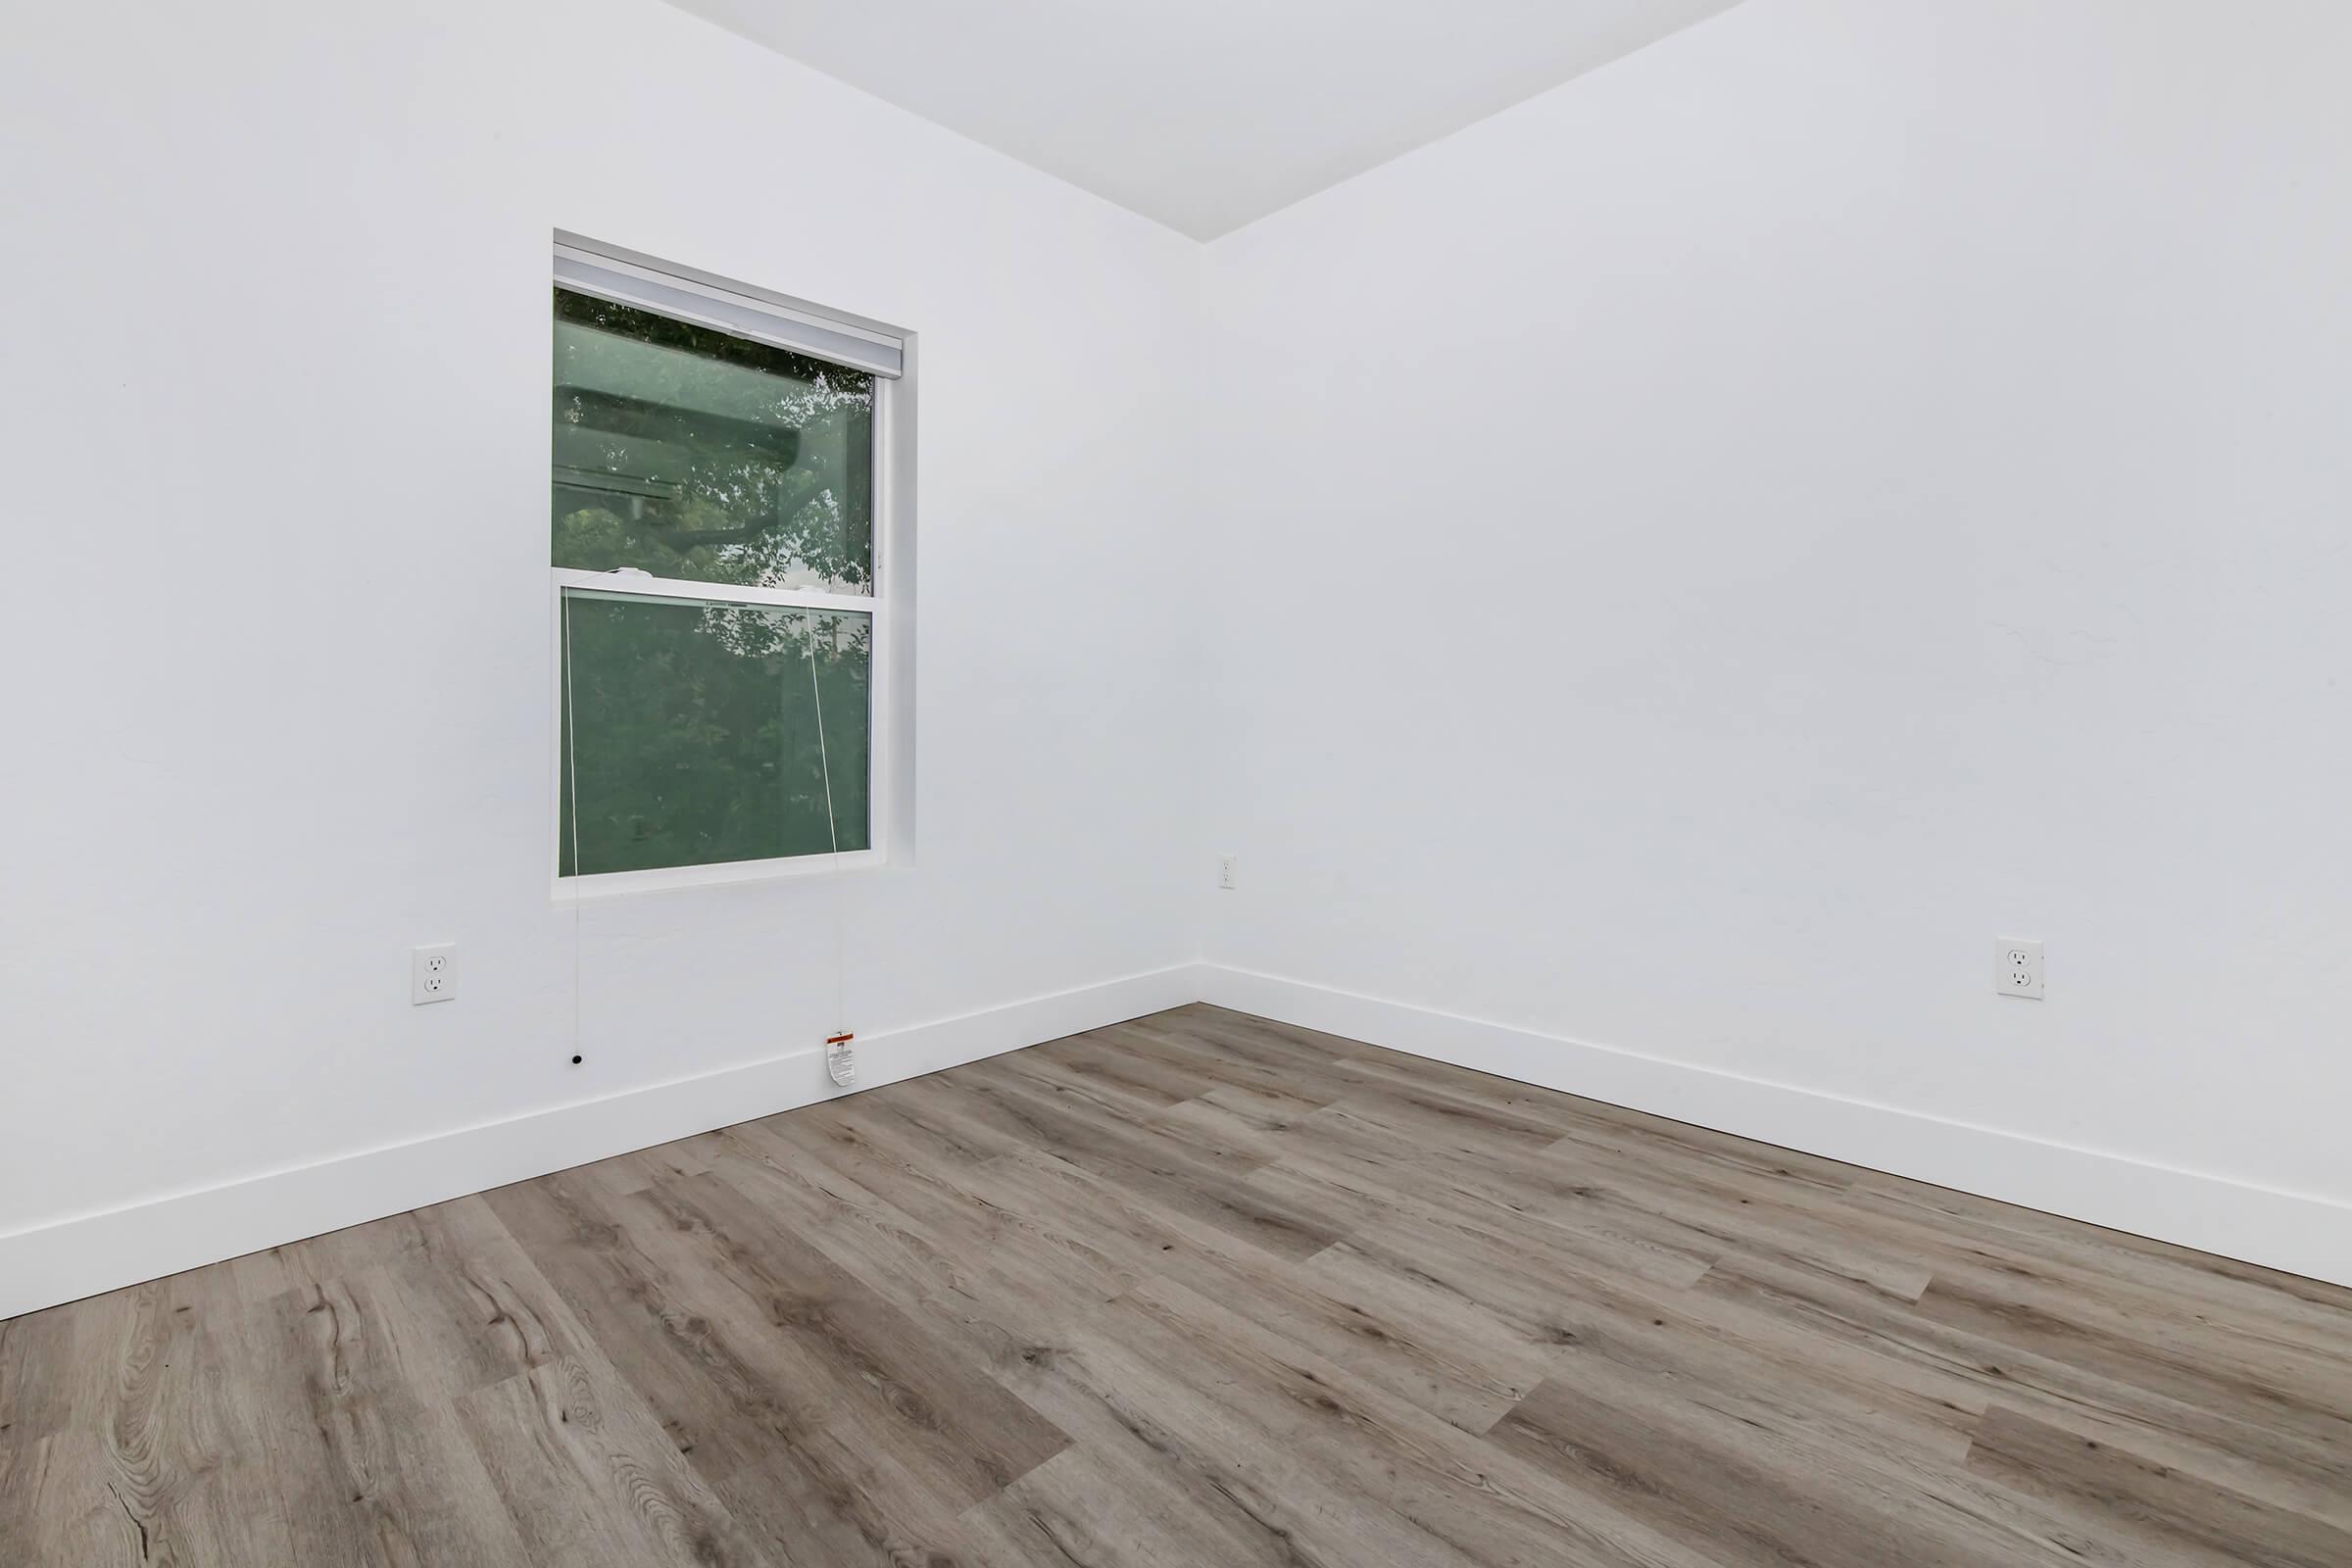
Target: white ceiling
{"points": [[1205, 114]]}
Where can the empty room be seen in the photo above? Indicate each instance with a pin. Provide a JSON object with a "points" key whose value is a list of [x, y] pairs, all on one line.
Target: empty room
{"points": [[1315, 784]]}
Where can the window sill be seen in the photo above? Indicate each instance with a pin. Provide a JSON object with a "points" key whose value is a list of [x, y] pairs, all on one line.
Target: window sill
{"points": [[672, 879]]}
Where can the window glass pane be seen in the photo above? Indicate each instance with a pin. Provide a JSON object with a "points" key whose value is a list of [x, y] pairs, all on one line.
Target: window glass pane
{"points": [[689, 453], [700, 733]]}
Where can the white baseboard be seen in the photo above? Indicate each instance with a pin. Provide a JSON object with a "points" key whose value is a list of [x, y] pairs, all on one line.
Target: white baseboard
{"points": [[2299, 1232], [70, 1258], [66, 1259]]}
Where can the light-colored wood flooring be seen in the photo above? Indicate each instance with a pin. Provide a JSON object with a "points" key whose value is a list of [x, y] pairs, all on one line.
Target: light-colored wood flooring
{"points": [[1199, 1289]]}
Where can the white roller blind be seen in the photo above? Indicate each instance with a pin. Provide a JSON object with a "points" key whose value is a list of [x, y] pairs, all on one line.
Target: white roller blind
{"points": [[729, 307]]}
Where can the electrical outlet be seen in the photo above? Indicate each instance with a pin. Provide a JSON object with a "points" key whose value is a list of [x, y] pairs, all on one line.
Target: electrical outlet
{"points": [[433, 973], [2017, 969], [1228, 871]]}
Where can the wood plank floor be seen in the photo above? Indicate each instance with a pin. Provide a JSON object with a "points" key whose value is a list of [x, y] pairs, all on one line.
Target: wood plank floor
{"points": [[1198, 1289]]}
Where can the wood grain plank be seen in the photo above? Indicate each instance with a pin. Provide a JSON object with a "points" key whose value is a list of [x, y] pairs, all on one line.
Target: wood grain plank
{"points": [[951, 1426], [590, 1479], [2169, 1512]]}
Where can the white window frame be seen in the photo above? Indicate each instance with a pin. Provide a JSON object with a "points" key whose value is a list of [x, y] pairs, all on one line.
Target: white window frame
{"points": [[741, 310]]}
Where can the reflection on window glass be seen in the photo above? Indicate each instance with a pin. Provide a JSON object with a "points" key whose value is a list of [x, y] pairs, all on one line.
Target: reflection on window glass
{"points": [[689, 452], [700, 733]]}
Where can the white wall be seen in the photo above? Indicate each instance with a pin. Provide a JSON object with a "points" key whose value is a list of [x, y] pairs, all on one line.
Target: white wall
{"points": [[1711, 549], [277, 626]]}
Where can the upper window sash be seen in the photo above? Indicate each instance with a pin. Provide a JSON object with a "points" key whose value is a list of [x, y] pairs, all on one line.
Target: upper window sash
{"points": [[691, 452]]}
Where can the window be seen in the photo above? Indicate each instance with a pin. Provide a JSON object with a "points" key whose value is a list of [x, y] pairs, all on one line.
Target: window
{"points": [[720, 547]]}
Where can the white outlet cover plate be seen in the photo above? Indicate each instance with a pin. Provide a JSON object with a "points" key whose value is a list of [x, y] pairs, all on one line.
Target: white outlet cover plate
{"points": [[433, 973], [2017, 969]]}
